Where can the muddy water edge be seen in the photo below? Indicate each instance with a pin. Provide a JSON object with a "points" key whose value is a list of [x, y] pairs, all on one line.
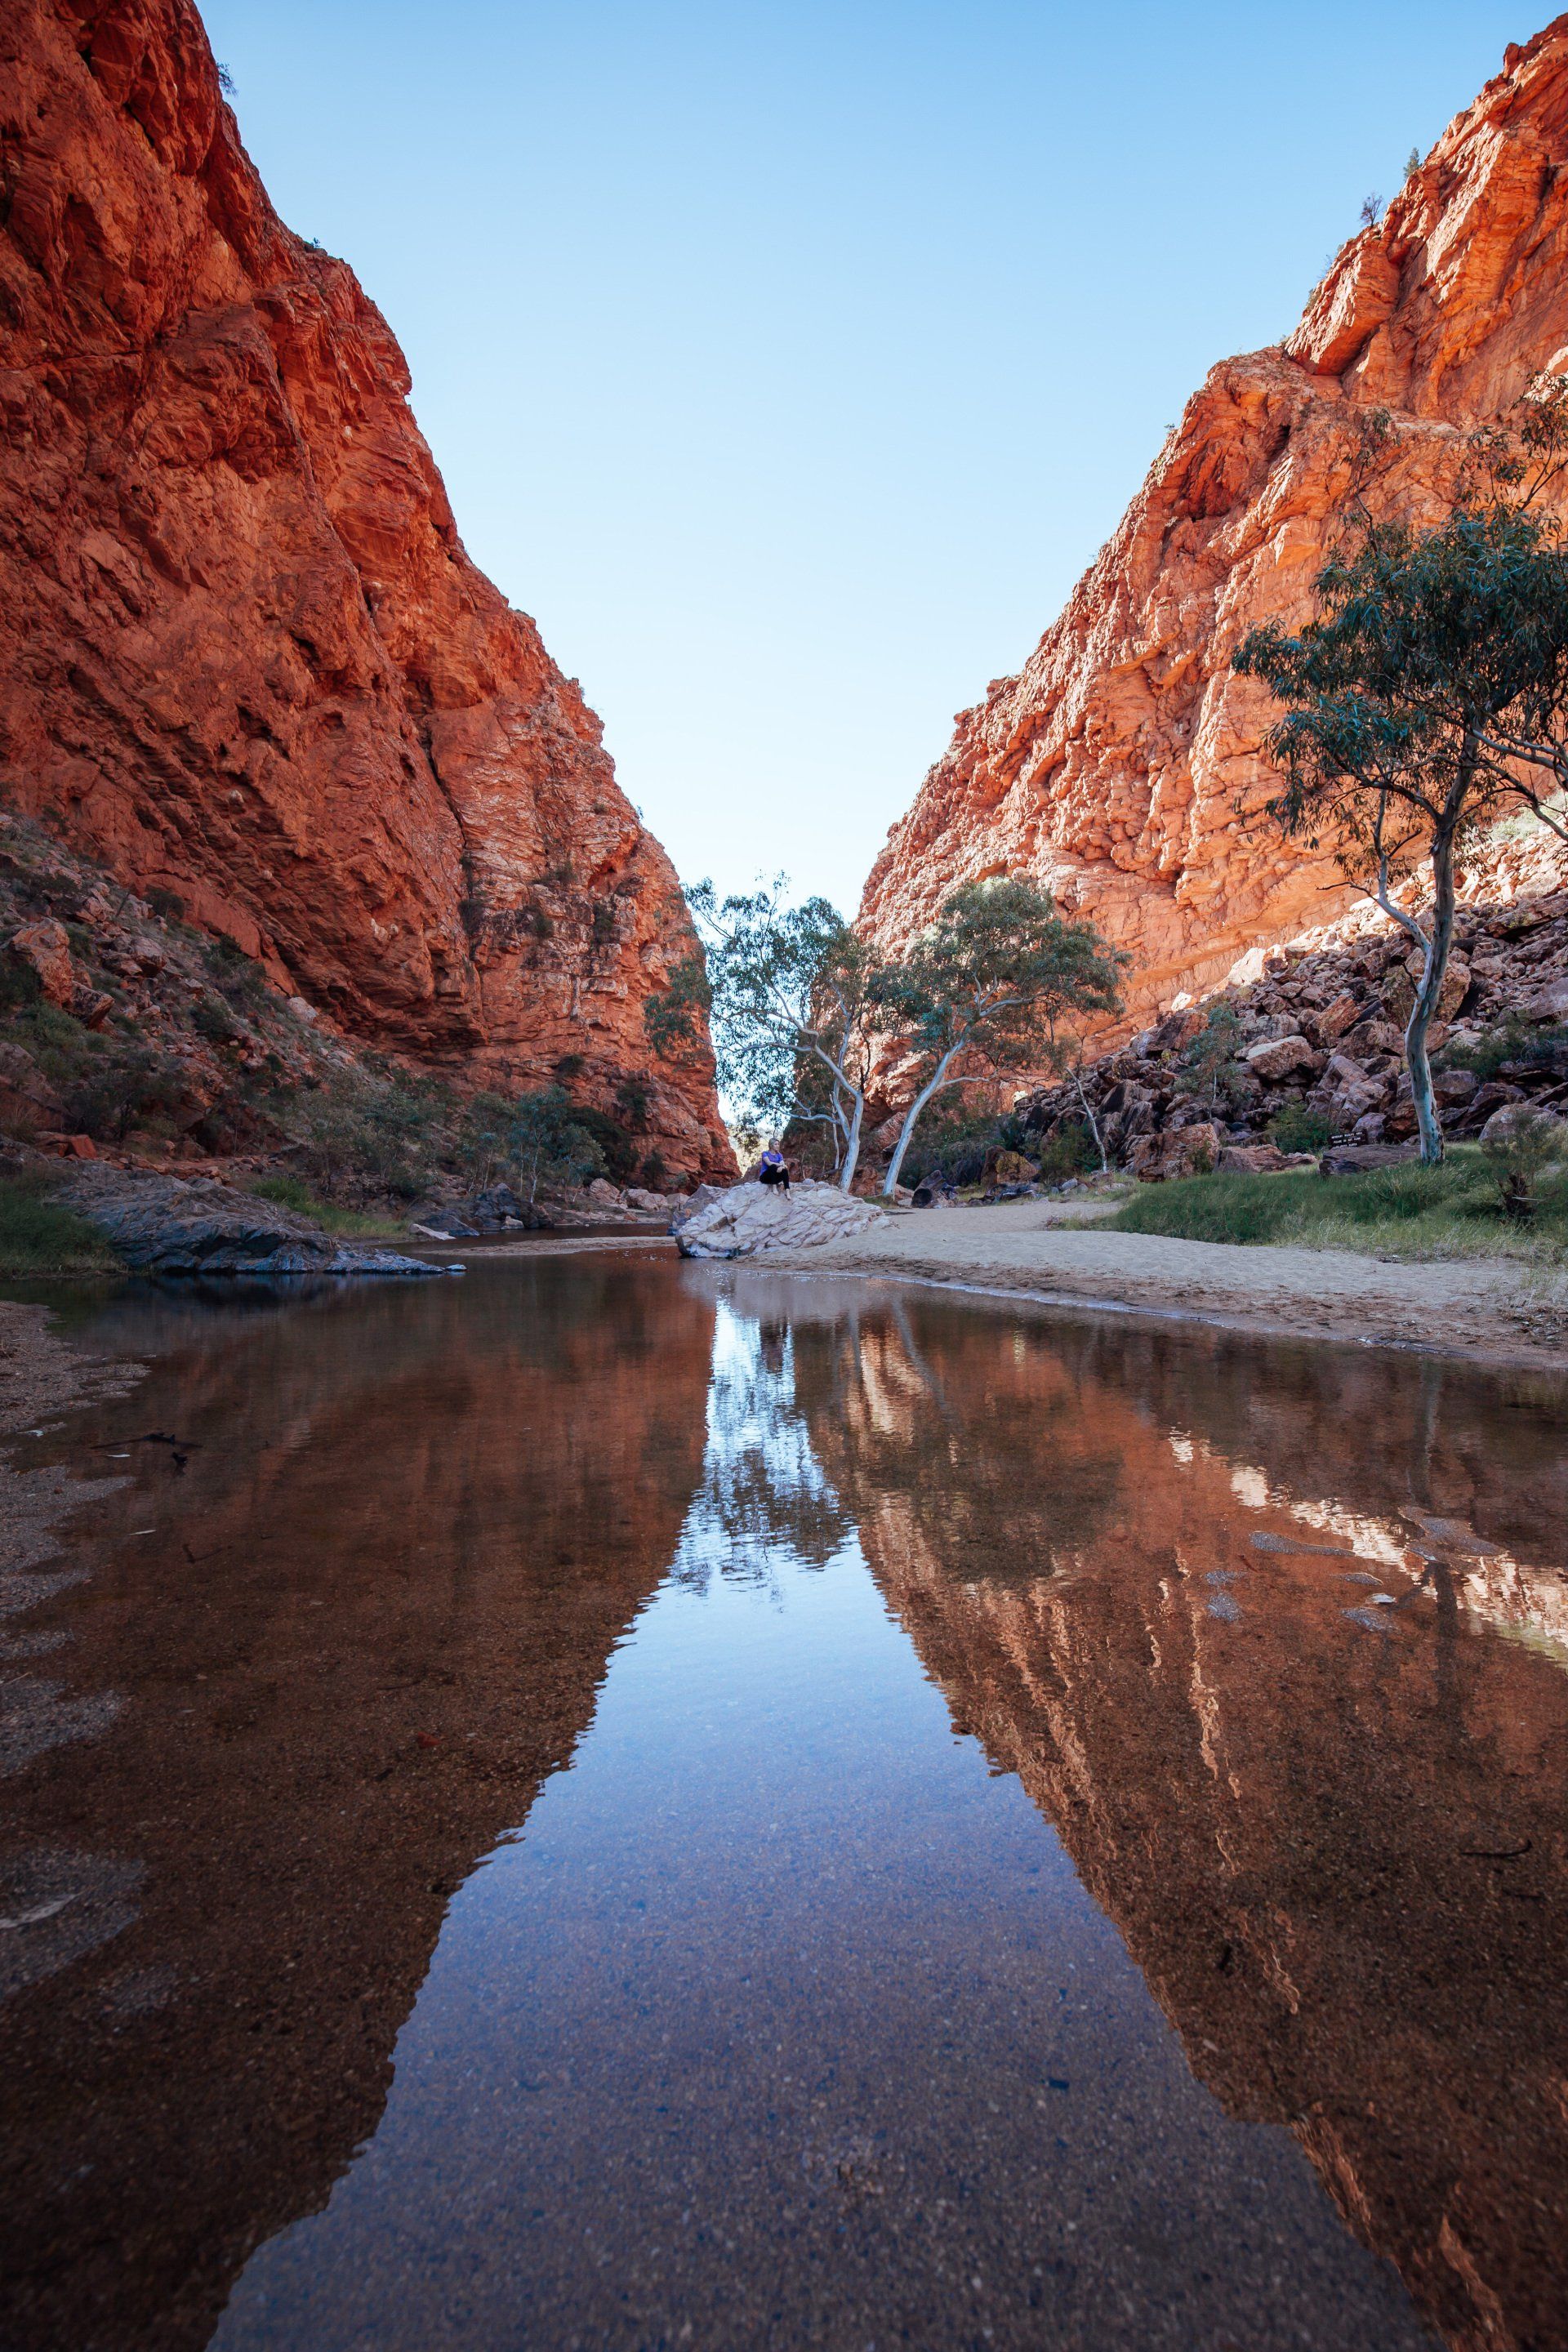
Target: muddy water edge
{"points": [[616, 1804]]}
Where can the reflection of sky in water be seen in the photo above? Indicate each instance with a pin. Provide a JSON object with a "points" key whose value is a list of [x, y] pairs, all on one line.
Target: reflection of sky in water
{"points": [[785, 2021], [763, 1496]]}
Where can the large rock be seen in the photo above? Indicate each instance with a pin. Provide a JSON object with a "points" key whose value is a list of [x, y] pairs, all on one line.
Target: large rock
{"points": [[1521, 1119], [1112, 767], [261, 672], [46, 946], [748, 1220], [1273, 1058], [176, 1226]]}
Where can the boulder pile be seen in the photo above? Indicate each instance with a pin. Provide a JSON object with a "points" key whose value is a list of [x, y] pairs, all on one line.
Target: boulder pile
{"points": [[1322, 1030], [748, 1220]]}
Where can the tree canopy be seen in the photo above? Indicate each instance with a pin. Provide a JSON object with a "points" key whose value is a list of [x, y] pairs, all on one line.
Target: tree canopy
{"points": [[1429, 696], [787, 991], [992, 981]]}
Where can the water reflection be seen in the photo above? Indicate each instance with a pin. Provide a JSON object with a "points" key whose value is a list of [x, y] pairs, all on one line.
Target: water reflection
{"points": [[368, 1616], [1333, 1833], [789, 2018]]}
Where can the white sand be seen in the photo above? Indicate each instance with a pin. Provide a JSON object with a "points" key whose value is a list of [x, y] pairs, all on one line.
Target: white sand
{"points": [[1491, 1309]]}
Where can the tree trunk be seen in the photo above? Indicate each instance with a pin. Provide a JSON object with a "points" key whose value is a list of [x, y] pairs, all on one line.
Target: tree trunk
{"points": [[890, 1181], [852, 1144], [1424, 1010]]}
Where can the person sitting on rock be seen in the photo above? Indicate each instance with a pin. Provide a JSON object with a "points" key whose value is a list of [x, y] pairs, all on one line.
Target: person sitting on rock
{"points": [[773, 1170]]}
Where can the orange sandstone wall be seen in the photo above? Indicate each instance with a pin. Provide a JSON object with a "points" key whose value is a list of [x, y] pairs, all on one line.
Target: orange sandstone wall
{"points": [[1122, 767], [248, 659]]}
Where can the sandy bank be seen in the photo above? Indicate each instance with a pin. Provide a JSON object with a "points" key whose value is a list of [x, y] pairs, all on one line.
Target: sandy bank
{"points": [[1491, 1310]]}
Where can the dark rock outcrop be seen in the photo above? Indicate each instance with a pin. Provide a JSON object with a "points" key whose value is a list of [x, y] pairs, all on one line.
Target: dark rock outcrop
{"points": [[179, 1226]]}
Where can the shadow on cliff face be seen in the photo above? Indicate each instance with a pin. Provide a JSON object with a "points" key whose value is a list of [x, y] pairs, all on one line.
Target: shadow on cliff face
{"points": [[344, 1624], [1145, 1569]]}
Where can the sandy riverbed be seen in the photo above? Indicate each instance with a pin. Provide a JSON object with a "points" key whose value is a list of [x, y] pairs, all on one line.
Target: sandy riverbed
{"points": [[1486, 1309]]}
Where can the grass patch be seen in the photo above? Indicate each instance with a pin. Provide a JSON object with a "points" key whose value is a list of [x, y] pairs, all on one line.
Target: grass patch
{"points": [[40, 1236], [293, 1192], [1409, 1211]]}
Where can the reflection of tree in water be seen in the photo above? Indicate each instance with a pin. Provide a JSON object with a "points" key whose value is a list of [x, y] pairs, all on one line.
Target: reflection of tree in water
{"points": [[975, 1427], [763, 1490]]}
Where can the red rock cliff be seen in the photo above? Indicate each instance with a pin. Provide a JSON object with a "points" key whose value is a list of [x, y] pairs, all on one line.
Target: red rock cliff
{"points": [[249, 660], [1111, 767]]}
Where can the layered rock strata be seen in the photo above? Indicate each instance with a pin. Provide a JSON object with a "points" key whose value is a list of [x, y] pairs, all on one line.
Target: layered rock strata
{"points": [[1123, 766], [251, 663]]}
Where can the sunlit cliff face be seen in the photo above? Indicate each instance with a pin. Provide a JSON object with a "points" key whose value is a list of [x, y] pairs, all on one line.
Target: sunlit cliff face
{"points": [[1332, 1830], [379, 1582]]}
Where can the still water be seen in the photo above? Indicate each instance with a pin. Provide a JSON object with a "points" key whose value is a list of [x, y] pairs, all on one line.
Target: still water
{"points": [[618, 1805]]}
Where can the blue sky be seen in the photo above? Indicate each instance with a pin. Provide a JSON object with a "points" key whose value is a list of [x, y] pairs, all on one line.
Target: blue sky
{"points": [[788, 363]]}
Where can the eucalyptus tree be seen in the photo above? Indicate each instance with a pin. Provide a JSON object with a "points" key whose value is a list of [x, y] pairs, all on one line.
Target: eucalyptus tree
{"points": [[788, 993], [1428, 698], [990, 983]]}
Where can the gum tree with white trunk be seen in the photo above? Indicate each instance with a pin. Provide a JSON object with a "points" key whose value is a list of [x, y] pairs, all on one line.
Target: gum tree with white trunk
{"points": [[988, 988]]}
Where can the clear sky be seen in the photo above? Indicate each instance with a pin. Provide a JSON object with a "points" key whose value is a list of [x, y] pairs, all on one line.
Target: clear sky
{"points": [[788, 362]]}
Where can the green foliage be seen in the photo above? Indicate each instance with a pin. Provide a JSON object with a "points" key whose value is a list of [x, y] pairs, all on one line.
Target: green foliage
{"points": [[550, 1142], [1517, 1041], [20, 988], [40, 1236], [211, 1019], [633, 1100], [365, 1136], [1299, 1129], [166, 903], [235, 975], [1207, 1070], [1404, 1211], [1429, 696], [655, 1171], [789, 995], [618, 1148], [122, 1087], [993, 980], [1069, 1152], [1518, 1157], [293, 1192]]}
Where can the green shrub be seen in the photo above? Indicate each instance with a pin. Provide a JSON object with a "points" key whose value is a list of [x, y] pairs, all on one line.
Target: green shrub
{"points": [[616, 1147], [1404, 1211], [122, 1087], [1516, 1041], [292, 1193], [39, 1236], [1067, 1153], [1298, 1127]]}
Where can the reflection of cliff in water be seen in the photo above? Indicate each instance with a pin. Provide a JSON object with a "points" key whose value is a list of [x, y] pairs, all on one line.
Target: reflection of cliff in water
{"points": [[1336, 1843], [373, 1614]]}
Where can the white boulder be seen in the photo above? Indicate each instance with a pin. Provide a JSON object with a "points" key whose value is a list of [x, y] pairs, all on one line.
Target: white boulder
{"points": [[747, 1220]]}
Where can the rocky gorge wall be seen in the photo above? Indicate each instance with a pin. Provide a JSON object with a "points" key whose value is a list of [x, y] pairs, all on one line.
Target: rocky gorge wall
{"points": [[1122, 767], [251, 664]]}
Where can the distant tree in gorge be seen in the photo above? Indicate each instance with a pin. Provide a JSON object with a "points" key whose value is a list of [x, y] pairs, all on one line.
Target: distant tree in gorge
{"points": [[787, 993], [1430, 696], [992, 981], [1207, 1067], [546, 1144]]}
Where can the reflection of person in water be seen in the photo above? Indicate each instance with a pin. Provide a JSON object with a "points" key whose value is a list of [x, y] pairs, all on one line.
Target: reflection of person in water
{"points": [[773, 1170]]}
